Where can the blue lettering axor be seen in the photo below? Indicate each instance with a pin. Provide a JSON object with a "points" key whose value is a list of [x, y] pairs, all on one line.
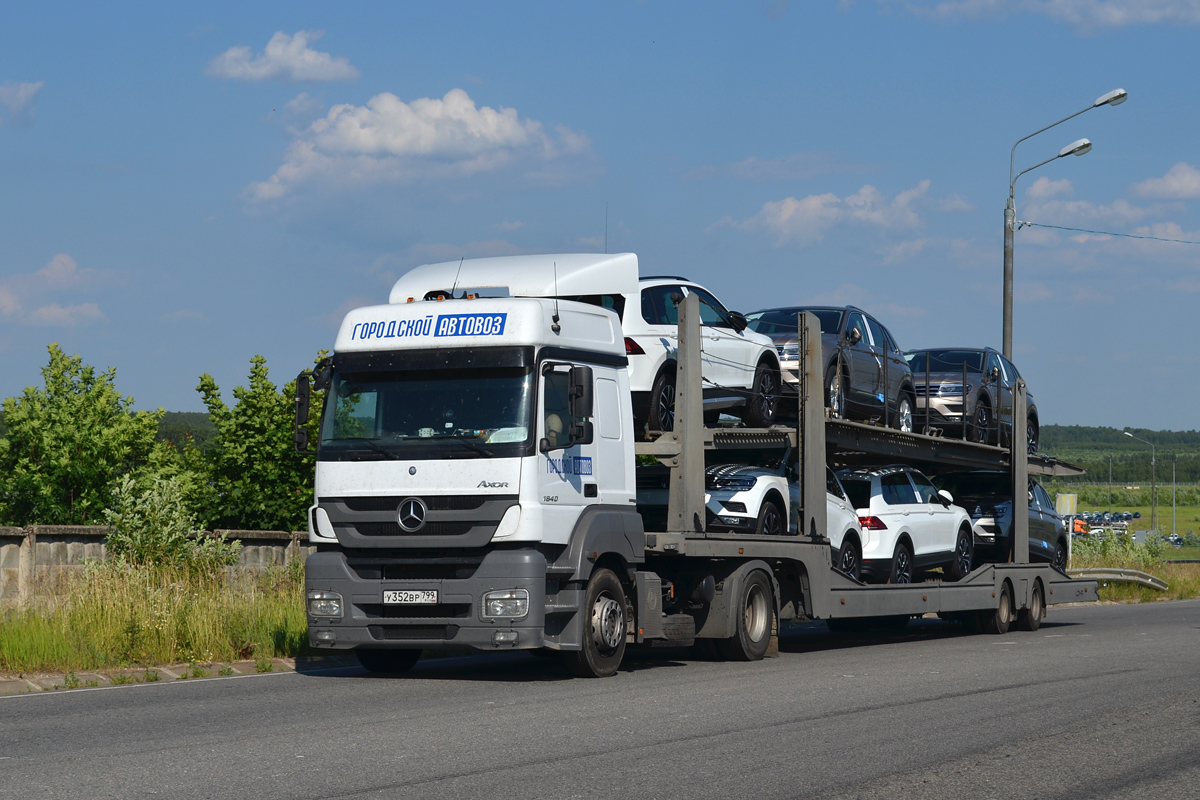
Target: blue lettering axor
{"points": [[570, 465], [470, 325], [392, 329]]}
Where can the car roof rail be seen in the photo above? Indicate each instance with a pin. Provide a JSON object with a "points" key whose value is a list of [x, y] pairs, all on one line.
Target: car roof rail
{"points": [[666, 277]]}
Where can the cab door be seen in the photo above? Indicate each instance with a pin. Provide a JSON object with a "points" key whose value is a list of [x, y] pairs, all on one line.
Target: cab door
{"points": [[731, 358], [864, 366], [567, 481], [939, 519]]}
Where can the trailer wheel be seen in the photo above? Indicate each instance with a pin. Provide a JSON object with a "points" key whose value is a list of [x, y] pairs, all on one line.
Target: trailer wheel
{"points": [[902, 565], [604, 627], [998, 620], [1031, 618], [754, 622], [964, 552], [388, 662]]}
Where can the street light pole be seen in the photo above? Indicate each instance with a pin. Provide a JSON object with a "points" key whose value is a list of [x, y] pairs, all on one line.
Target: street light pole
{"points": [[1173, 459], [1110, 481], [1153, 482], [1113, 98]]}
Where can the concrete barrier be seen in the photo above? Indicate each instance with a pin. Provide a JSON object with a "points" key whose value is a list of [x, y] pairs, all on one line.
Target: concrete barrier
{"points": [[39, 556]]}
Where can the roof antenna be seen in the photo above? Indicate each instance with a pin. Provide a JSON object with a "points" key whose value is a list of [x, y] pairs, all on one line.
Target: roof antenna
{"points": [[554, 326], [605, 227], [456, 274]]}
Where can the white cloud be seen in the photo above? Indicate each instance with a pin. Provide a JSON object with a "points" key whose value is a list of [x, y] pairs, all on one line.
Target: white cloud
{"points": [[390, 141], [1182, 182], [61, 274], [17, 100], [1079, 212], [1032, 292], [1044, 187], [805, 221], [1085, 15], [904, 250], [287, 58], [798, 166], [954, 203]]}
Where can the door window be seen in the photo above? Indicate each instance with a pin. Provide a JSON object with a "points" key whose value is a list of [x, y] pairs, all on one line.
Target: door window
{"points": [[831, 484], [877, 338], [657, 306], [1010, 372], [897, 490], [856, 321], [993, 362], [926, 491], [556, 408], [712, 313]]}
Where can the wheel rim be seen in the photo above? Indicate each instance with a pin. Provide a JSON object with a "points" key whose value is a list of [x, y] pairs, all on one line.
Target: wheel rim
{"points": [[666, 407], [772, 521], [1060, 558], [964, 554], [1005, 610], [1031, 436], [849, 560], [835, 396], [756, 612], [1035, 606], [608, 623], [766, 394], [903, 566], [904, 414], [982, 423]]}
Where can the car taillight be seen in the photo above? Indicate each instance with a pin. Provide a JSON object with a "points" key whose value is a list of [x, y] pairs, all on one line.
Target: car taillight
{"points": [[872, 524], [632, 348]]}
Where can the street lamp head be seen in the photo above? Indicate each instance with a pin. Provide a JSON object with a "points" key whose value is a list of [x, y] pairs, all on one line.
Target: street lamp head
{"points": [[1113, 98], [1127, 433], [1076, 148]]}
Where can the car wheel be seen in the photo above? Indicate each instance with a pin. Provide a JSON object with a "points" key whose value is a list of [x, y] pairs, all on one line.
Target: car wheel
{"points": [[964, 551], [902, 564], [765, 400], [998, 620], [771, 521], [754, 622], [1060, 556], [388, 662], [904, 413], [850, 558], [835, 394], [981, 423], [1031, 618], [604, 628], [662, 402], [1031, 435]]}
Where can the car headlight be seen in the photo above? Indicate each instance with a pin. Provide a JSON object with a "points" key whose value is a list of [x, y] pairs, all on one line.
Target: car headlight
{"points": [[505, 604], [788, 352], [324, 604], [734, 484]]}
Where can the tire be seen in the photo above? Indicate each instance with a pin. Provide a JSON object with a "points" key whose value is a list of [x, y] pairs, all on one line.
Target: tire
{"points": [[662, 402], [387, 662], [771, 521], [604, 628], [981, 423], [1060, 556], [998, 620], [764, 402], [835, 394], [1032, 434], [964, 553], [754, 617], [904, 413], [850, 558], [902, 564], [1030, 619]]}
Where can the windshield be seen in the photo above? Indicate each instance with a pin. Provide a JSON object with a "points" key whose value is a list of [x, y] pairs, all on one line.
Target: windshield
{"points": [[428, 414], [946, 361], [783, 320], [976, 484]]}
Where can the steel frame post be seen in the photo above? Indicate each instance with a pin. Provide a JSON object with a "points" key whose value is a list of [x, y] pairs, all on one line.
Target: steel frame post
{"points": [[1019, 456], [685, 512], [811, 435]]}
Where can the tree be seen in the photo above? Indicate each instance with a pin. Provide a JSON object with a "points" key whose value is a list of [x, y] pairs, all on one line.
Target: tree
{"points": [[68, 443], [255, 477]]}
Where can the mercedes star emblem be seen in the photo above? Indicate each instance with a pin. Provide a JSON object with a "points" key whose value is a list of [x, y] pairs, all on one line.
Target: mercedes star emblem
{"points": [[411, 514]]}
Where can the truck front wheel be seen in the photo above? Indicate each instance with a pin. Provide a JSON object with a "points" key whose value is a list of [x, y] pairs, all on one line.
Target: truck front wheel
{"points": [[754, 613], [604, 628]]}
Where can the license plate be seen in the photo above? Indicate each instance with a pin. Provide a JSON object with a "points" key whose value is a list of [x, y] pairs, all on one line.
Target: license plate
{"points": [[406, 597]]}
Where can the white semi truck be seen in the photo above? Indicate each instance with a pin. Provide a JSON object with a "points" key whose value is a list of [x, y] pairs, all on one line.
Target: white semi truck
{"points": [[476, 486]]}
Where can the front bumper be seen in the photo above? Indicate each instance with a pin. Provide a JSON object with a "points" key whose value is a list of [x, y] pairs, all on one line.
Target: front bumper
{"points": [[456, 619]]}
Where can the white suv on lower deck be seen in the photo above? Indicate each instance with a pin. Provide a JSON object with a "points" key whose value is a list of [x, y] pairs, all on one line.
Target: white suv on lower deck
{"points": [[907, 525]]}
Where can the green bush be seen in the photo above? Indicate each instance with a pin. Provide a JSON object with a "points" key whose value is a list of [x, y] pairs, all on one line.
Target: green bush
{"points": [[151, 526], [1117, 549]]}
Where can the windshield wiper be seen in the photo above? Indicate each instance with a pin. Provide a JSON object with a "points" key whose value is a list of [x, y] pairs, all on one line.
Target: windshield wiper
{"points": [[370, 443], [478, 448]]}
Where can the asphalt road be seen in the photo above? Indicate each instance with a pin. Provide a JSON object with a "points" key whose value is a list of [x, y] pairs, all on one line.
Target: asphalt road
{"points": [[1104, 701]]}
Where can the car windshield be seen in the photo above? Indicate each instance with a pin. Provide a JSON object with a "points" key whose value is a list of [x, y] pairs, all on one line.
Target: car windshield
{"points": [[975, 484], [946, 361], [783, 320], [428, 414]]}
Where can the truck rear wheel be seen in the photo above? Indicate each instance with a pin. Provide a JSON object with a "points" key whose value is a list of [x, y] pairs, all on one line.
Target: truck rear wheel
{"points": [[998, 620], [754, 613], [388, 662], [1031, 618], [604, 628]]}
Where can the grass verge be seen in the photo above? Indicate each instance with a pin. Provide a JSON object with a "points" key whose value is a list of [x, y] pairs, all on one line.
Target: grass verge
{"points": [[114, 614]]}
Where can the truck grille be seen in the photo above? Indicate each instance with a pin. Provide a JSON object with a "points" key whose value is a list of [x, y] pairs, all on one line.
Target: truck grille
{"points": [[430, 529], [438, 611], [468, 502], [448, 520]]}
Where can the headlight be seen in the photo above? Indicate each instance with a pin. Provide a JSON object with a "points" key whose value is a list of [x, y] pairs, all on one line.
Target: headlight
{"points": [[734, 484], [788, 352], [506, 604], [324, 604]]}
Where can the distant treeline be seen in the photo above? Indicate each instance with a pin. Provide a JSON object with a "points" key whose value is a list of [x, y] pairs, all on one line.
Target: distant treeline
{"points": [[1091, 449], [177, 426]]}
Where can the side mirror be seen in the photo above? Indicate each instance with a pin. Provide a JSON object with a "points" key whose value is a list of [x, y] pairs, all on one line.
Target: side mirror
{"points": [[738, 321], [994, 374], [855, 336], [579, 392], [303, 392], [581, 432], [300, 440], [946, 496]]}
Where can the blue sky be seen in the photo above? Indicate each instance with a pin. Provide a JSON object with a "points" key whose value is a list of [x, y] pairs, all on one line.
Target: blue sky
{"points": [[182, 188]]}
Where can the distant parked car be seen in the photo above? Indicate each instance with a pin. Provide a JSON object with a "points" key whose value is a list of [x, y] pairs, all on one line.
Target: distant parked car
{"points": [[874, 382], [987, 496], [907, 525], [985, 401], [1137, 515]]}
